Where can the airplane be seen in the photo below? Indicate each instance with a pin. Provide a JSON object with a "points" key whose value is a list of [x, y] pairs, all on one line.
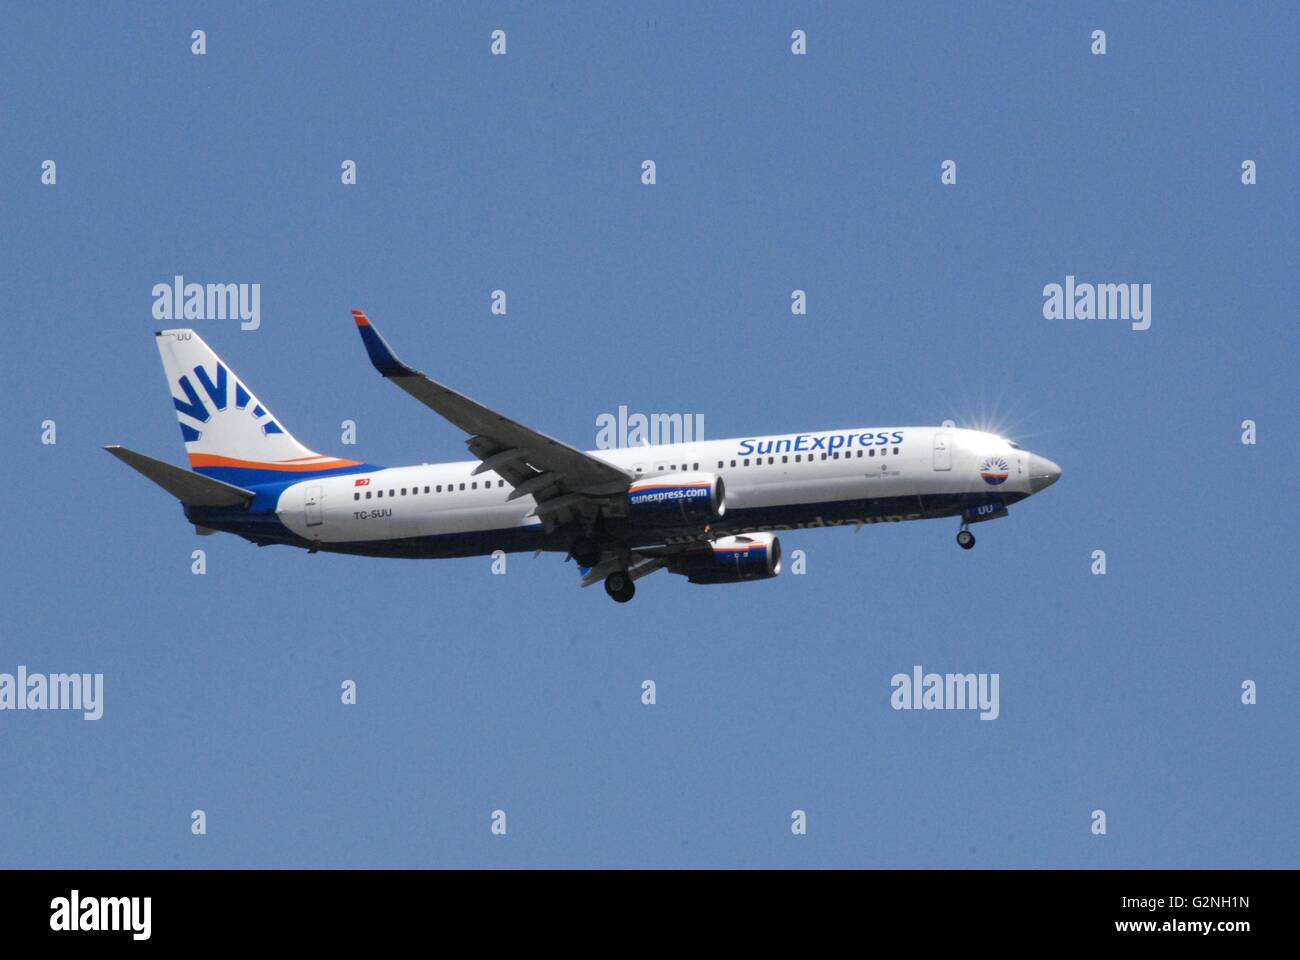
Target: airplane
{"points": [[708, 510]]}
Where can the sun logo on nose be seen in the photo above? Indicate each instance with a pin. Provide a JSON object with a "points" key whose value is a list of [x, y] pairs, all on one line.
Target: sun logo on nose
{"points": [[995, 470]]}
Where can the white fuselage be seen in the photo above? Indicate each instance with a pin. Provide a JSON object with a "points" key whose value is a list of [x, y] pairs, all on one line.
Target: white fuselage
{"points": [[772, 483]]}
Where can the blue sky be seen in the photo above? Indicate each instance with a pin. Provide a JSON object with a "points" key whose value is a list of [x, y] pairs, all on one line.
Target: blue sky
{"points": [[775, 172]]}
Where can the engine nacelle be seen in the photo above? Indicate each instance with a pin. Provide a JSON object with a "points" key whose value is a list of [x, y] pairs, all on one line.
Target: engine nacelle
{"points": [[676, 499], [747, 556]]}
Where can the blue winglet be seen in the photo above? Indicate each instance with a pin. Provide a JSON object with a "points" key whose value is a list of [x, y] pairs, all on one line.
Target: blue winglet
{"points": [[381, 354]]}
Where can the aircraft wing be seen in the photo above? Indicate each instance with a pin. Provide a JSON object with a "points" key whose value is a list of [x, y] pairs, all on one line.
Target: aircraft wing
{"points": [[557, 475]]}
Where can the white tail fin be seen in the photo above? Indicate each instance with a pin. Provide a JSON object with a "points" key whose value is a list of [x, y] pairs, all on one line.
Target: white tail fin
{"points": [[229, 434]]}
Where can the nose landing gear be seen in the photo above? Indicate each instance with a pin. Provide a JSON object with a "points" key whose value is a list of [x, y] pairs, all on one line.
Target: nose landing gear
{"points": [[978, 514]]}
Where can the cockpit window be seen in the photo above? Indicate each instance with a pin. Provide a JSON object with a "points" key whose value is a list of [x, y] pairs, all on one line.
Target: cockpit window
{"points": [[1013, 445]]}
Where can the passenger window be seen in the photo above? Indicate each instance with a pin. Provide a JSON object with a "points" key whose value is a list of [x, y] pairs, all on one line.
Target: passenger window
{"points": [[697, 466], [462, 486], [798, 458], [719, 464], [438, 488], [367, 494], [392, 493], [771, 459], [403, 491], [733, 463], [871, 452], [426, 489], [747, 461], [381, 494], [896, 450], [785, 459], [357, 495], [474, 485]]}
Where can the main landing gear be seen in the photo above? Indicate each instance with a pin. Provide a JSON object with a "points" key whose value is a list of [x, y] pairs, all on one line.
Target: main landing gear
{"points": [[965, 539], [586, 553], [620, 586]]}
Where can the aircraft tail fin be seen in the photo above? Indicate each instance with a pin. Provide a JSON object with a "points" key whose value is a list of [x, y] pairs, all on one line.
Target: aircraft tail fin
{"points": [[188, 487], [229, 434]]}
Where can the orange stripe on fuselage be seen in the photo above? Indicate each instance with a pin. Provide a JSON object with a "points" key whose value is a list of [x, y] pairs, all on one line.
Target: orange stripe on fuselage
{"points": [[670, 486], [212, 460]]}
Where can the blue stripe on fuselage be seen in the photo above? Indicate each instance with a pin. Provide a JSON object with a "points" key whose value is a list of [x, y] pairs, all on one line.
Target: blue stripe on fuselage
{"points": [[261, 525]]}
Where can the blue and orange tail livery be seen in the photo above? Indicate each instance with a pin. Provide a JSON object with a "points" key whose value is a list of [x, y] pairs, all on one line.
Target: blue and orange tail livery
{"points": [[229, 434]]}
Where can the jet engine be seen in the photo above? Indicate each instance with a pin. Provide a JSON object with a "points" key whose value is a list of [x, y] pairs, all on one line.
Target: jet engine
{"points": [[676, 499], [748, 556]]}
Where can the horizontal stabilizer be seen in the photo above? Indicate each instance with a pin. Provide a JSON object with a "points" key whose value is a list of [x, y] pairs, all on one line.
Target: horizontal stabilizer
{"points": [[192, 488]]}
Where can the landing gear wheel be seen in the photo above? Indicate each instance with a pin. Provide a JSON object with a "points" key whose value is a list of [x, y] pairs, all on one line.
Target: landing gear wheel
{"points": [[965, 539], [620, 586]]}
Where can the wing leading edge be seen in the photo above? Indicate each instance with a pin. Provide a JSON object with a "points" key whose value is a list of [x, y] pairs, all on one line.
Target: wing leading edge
{"points": [[560, 478]]}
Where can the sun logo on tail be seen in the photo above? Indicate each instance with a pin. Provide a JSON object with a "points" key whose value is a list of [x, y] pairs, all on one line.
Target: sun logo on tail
{"points": [[995, 470], [194, 406]]}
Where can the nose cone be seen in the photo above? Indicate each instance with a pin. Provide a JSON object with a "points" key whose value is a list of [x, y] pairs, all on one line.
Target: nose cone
{"points": [[1042, 473]]}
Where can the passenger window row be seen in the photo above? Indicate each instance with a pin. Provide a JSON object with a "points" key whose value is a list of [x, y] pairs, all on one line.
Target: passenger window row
{"points": [[798, 457], [747, 461], [414, 491]]}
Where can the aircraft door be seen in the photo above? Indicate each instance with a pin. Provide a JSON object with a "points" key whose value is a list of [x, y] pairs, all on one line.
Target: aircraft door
{"points": [[311, 500], [943, 450]]}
